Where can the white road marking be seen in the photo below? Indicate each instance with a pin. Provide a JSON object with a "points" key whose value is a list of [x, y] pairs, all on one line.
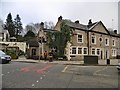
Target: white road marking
{"points": [[37, 81], [44, 75], [33, 85], [8, 72], [41, 78], [65, 68], [2, 74], [97, 72]]}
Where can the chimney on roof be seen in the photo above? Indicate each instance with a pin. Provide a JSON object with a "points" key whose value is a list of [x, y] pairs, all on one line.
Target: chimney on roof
{"points": [[60, 18], [41, 26], [77, 21], [90, 22], [115, 31]]}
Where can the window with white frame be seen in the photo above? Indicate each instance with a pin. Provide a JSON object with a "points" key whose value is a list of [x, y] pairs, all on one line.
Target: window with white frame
{"points": [[113, 42], [73, 50], [100, 39], [93, 51], [98, 51], [107, 42], [85, 51], [93, 40], [113, 52], [79, 50], [80, 38]]}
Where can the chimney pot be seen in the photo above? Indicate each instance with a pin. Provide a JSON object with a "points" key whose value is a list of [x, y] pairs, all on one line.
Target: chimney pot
{"points": [[60, 18], [77, 21], [90, 22], [41, 26], [41, 23], [115, 31]]}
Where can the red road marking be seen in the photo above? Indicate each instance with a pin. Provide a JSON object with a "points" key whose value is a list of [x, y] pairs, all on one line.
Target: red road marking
{"points": [[42, 70], [27, 69]]}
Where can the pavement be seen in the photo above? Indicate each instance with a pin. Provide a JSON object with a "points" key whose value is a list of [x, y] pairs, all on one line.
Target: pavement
{"points": [[113, 62]]}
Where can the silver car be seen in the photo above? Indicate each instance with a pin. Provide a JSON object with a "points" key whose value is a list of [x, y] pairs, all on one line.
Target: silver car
{"points": [[118, 67], [4, 58]]}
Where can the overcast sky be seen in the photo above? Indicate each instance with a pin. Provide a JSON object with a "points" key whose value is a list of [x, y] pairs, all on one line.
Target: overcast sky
{"points": [[37, 11]]}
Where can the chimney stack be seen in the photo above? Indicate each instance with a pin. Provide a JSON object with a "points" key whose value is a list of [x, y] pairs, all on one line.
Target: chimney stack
{"points": [[115, 31], [41, 26], [90, 22], [60, 18], [77, 21]]}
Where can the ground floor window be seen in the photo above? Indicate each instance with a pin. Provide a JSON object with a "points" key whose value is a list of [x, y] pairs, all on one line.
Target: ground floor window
{"points": [[79, 50], [73, 50], [85, 50], [33, 51], [113, 52], [98, 51], [93, 51]]}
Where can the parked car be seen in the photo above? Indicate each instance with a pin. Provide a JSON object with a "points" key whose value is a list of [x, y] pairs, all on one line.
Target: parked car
{"points": [[4, 58], [118, 67], [50, 56]]}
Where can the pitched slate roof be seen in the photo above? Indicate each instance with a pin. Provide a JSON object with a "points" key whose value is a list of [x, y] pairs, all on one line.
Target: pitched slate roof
{"points": [[75, 25], [33, 42], [90, 27], [114, 34], [79, 26], [87, 27]]}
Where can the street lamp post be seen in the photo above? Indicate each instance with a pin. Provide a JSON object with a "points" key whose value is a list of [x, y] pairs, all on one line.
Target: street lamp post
{"points": [[40, 43], [40, 38], [39, 51], [53, 38]]}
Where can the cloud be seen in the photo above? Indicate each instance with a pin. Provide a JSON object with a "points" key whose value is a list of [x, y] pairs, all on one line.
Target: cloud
{"points": [[38, 11]]}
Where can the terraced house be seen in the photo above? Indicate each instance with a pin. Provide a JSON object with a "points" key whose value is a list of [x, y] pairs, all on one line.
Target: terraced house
{"points": [[91, 39]]}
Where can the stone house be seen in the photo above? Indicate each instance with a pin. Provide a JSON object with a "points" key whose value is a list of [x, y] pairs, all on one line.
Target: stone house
{"points": [[37, 46], [91, 39]]}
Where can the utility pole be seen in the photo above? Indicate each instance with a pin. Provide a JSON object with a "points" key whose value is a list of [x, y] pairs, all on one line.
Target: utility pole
{"points": [[40, 39], [40, 44], [39, 51], [113, 24]]}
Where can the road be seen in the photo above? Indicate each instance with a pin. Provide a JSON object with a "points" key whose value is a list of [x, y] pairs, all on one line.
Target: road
{"points": [[48, 75]]}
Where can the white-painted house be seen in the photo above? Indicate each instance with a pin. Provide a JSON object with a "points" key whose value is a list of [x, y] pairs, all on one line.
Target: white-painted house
{"points": [[4, 34], [4, 39]]}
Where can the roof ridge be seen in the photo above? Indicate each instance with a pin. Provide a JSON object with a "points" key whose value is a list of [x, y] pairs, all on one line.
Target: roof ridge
{"points": [[75, 25], [94, 25]]}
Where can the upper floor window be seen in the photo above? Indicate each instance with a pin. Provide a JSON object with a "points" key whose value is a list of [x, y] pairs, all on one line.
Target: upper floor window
{"points": [[80, 38], [100, 39], [113, 42], [93, 40], [107, 42]]}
